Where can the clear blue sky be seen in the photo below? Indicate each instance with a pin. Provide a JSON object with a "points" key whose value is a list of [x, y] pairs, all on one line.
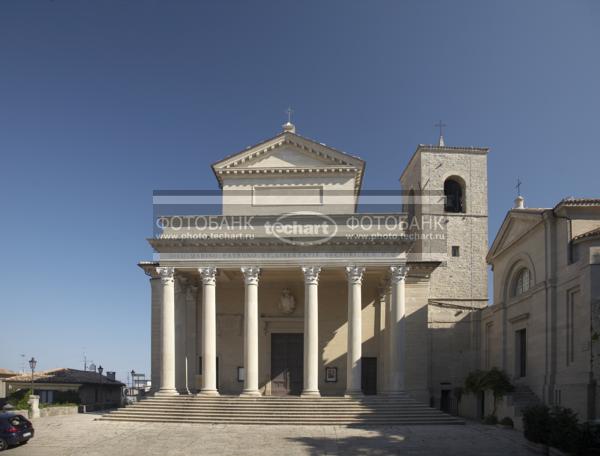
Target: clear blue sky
{"points": [[103, 102]]}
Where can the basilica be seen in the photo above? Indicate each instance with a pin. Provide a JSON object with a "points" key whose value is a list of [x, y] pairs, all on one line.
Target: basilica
{"points": [[294, 290], [312, 297]]}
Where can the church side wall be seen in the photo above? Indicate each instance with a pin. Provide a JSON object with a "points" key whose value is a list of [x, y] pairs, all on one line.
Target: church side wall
{"points": [[454, 343], [417, 343]]}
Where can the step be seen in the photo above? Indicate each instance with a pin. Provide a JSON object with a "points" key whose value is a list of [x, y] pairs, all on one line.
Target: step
{"points": [[379, 410], [279, 407], [265, 413], [410, 422]]}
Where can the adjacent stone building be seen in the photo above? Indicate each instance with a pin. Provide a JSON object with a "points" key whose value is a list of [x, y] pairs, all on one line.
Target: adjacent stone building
{"points": [[544, 324]]}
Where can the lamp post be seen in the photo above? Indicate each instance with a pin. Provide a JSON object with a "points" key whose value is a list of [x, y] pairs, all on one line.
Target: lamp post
{"points": [[32, 364], [100, 370], [132, 382]]}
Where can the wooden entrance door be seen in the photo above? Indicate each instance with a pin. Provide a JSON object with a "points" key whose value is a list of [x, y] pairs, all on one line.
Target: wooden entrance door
{"points": [[286, 364], [369, 375]]}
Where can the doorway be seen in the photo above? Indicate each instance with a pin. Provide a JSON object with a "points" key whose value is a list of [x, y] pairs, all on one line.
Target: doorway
{"points": [[369, 376], [287, 361]]}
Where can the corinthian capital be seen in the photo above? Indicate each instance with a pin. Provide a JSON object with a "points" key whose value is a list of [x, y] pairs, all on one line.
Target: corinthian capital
{"points": [[166, 274], [355, 274], [398, 273], [251, 274], [311, 274], [208, 275]]}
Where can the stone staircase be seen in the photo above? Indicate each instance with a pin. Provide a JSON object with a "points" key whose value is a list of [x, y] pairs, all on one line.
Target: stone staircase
{"points": [[521, 398], [371, 410]]}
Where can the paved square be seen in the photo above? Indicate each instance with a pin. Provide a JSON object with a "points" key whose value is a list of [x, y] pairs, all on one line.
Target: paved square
{"points": [[80, 435]]}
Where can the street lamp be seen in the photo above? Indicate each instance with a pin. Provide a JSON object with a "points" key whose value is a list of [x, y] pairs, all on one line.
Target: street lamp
{"points": [[100, 370], [32, 364]]}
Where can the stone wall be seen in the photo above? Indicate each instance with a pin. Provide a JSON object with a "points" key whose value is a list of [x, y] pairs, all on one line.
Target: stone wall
{"points": [[556, 311], [58, 410]]}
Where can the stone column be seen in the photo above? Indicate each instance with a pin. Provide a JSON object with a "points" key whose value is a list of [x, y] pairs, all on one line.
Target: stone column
{"points": [[155, 328], [397, 337], [180, 336], [167, 371], [191, 320], [353, 360], [209, 332], [251, 331], [311, 331], [382, 338]]}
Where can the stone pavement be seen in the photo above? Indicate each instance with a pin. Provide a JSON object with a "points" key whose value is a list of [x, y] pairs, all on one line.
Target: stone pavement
{"points": [[80, 435]]}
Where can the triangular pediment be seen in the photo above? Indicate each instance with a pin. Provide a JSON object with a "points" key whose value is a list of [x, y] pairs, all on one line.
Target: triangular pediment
{"points": [[290, 156], [288, 151], [516, 225]]}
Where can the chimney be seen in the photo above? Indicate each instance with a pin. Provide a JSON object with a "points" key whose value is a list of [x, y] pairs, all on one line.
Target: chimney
{"points": [[111, 375]]}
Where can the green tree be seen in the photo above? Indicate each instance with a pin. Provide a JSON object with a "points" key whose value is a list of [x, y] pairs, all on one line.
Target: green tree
{"points": [[494, 380], [498, 382]]}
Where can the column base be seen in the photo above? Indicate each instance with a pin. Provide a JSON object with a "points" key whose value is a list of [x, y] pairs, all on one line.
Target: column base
{"points": [[354, 394], [310, 394], [251, 393], [167, 392], [209, 392]]}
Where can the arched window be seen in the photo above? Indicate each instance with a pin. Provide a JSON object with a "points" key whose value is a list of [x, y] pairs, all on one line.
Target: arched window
{"points": [[453, 191], [522, 282]]}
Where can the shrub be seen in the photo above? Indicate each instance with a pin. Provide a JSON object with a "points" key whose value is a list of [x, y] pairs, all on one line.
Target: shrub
{"points": [[62, 404], [536, 423], [474, 383], [495, 380], [491, 420], [589, 439], [507, 421], [565, 433], [20, 399]]}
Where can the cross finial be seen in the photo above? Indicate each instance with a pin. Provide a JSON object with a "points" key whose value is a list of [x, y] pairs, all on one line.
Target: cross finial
{"points": [[518, 186], [289, 126], [441, 126], [289, 111]]}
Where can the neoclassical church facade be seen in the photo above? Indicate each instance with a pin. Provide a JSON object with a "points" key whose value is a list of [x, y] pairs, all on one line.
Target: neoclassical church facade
{"points": [[293, 291]]}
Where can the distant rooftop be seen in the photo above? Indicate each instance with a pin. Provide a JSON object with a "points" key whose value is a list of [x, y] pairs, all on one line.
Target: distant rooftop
{"points": [[7, 372], [65, 375]]}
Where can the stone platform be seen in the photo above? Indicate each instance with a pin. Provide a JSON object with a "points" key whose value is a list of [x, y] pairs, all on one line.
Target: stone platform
{"points": [[370, 410]]}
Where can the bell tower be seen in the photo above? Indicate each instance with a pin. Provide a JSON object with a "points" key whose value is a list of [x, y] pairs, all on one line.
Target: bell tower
{"points": [[450, 184]]}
